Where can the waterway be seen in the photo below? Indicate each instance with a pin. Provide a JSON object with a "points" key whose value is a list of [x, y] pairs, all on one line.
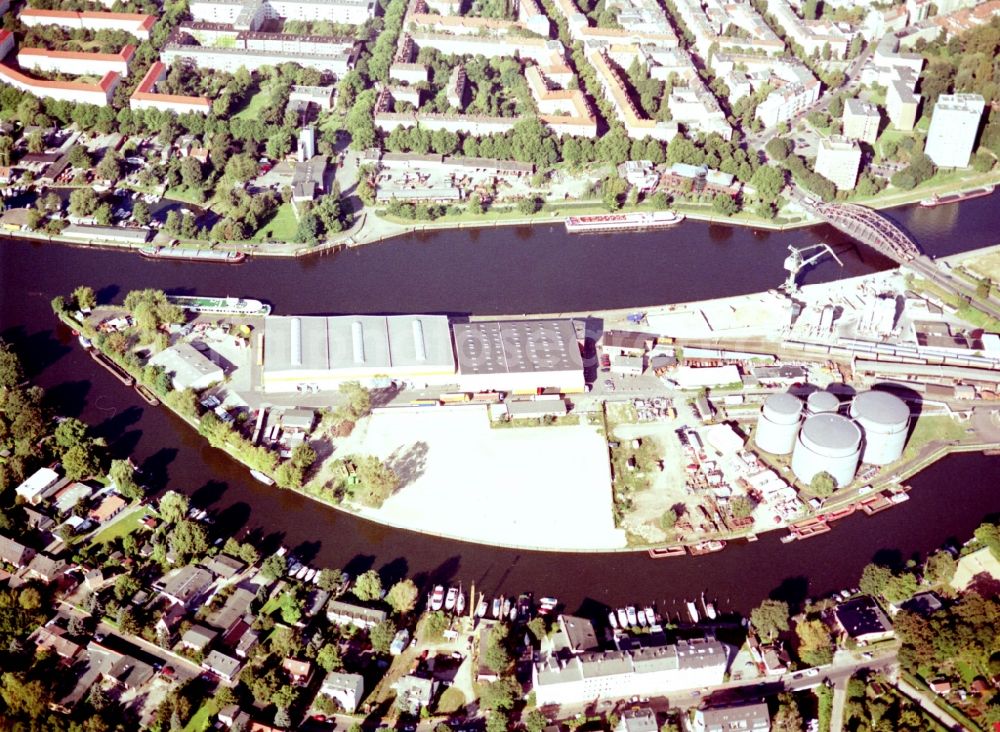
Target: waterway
{"points": [[492, 271]]}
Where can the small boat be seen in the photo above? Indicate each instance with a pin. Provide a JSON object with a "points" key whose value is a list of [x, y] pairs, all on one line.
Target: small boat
{"points": [[301, 574], [460, 603], [221, 305], [641, 618], [85, 342], [282, 551], [513, 613], [706, 547], [631, 616], [693, 612], [708, 607], [650, 616], [147, 395], [310, 575], [623, 618], [899, 498], [505, 607], [662, 552], [262, 477], [495, 610], [547, 605], [451, 598], [613, 620], [316, 578], [294, 567], [788, 538], [524, 606], [481, 609], [437, 598]]}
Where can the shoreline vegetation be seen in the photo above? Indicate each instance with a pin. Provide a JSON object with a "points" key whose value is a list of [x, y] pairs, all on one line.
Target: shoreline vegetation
{"points": [[373, 227], [927, 446]]}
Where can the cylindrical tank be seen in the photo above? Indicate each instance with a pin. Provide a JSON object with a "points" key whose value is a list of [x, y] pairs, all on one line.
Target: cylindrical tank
{"points": [[828, 443], [885, 421], [820, 402], [778, 423]]}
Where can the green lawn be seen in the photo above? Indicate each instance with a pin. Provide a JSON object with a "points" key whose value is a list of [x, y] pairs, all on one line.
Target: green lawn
{"points": [[120, 528], [256, 104], [200, 721], [281, 227], [930, 429]]}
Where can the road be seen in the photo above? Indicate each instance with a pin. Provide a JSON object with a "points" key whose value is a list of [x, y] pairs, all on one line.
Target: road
{"points": [[839, 701], [927, 702]]}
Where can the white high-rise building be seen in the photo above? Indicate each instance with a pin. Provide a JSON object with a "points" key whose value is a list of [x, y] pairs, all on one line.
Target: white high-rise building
{"points": [[954, 126], [838, 160]]}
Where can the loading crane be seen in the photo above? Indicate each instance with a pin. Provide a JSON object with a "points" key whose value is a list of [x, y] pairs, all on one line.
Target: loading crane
{"points": [[797, 260]]}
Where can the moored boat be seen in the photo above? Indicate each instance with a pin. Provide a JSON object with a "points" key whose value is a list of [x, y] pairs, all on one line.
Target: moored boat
{"points": [[460, 603], [451, 598], [630, 614], [623, 618], [262, 477], [547, 605], [481, 608], [707, 547], [693, 611], [495, 610], [936, 200], [662, 552], [613, 620], [650, 616], [437, 598], [193, 255], [638, 220], [505, 607], [221, 305], [147, 395]]}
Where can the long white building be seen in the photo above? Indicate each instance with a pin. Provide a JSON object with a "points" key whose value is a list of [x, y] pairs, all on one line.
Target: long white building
{"points": [[657, 671], [251, 14], [135, 23], [76, 62]]}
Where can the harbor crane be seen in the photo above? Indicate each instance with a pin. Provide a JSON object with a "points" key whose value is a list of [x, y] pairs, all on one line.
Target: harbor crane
{"points": [[797, 260]]}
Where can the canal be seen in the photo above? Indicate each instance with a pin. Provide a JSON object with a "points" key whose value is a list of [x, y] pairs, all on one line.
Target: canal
{"points": [[491, 271]]}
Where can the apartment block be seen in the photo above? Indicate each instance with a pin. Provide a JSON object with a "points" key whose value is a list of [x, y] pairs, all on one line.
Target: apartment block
{"points": [[839, 160], [861, 121], [954, 128]]}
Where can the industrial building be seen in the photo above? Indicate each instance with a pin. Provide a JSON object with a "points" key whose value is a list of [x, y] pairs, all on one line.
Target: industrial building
{"points": [[324, 352], [778, 423], [521, 356], [827, 443], [954, 128], [884, 420], [821, 402], [188, 367]]}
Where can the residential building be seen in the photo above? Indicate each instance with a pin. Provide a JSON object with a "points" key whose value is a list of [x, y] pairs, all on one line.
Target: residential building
{"points": [[45, 568], [733, 718], [797, 89], [251, 14], [76, 62], [146, 95], [108, 508], [188, 367], [813, 36], [637, 720], [901, 105], [345, 613], [414, 693], [41, 484], [136, 24], [954, 129], [299, 671], [457, 84], [198, 638], [862, 620], [231, 614], [838, 160], [185, 585], [15, 553], [346, 689], [226, 668], [861, 121], [652, 671], [309, 179]]}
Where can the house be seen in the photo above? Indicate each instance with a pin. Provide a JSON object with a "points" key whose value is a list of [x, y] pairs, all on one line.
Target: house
{"points": [[940, 686], [110, 507], [626, 365], [753, 717], [126, 671], [224, 566], [247, 642], [862, 620], [345, 689], [38, 520], [637, 720], [198, 638], [39, 486], [299, 672], [224, 667], [298, 420], [414, 693], [15, 553], [66, 498], [231, 613], [345, 613], [45, 568], [185, 585], [54, 638]]}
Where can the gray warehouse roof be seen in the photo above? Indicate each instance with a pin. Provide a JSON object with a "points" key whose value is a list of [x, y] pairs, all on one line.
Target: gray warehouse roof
{"points": [[517, 346]]}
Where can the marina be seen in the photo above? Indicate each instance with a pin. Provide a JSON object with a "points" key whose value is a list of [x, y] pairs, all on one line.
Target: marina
{"points": [[640, 221]]}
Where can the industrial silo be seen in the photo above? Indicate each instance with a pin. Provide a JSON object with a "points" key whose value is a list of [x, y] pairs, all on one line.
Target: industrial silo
{"points": [[828, 443], [778, 423], [821, 402], [885, 421]]}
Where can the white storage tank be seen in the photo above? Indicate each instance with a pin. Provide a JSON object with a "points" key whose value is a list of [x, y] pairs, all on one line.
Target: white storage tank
{"points": [[885, 421], [829, 443], [778, 423], [821, 402]]}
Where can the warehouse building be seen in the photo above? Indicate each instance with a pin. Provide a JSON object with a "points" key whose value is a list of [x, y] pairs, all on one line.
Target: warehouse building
{"points": [[188, 367], [324, 352], [521, 356]]}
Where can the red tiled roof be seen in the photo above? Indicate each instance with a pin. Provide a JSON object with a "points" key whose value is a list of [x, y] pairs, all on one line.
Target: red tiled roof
{"points": [[146, 91], [124, 55], [103, 85]]}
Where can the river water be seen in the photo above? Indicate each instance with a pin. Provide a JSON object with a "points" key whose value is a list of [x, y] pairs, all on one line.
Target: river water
{"points": [[493, 271]]}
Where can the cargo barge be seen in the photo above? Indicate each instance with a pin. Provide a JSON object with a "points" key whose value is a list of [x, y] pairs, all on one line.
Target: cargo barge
{"points": [[638, 221], [957, 197], [221, 305], [662, 552], [193, 255]]}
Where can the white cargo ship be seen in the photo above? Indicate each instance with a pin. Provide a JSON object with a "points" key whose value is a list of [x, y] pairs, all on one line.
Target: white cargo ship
{"points": [[623, 222], [221, 305]]}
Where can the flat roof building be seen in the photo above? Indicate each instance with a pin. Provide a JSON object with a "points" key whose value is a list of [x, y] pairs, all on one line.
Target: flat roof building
{"points": [[954, 128], [839, 160], [518, 355], [188, 367], [328, 351], [861, 121]]}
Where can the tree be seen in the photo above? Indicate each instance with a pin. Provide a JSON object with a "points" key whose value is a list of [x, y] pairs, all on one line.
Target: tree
{"points": [[122, 475], [82, 202], [191, 173], [500, 695], [537, 628], [189, 540], [874, 580], [274, 567], [529, 205], [778, 148], [787, 718], [84, 297], [669, 519], [815, 642], [329, 579], [741, 507], [376, 481], [768, 180], [36, 143], [368, 586], [11, 372], [435, 624], [822, 485], [140, 213], [612, 190], [940, 568], [79, 462], [6, 147], [307, 232], [22, 697], [110, 167], [30, 599], [769, 619], [329, 658], [983, 161], [358, 401], [174, 506], [381, 636], [989, 536], [402, 596], [80, 158], [535, 721], [725, 205]]}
